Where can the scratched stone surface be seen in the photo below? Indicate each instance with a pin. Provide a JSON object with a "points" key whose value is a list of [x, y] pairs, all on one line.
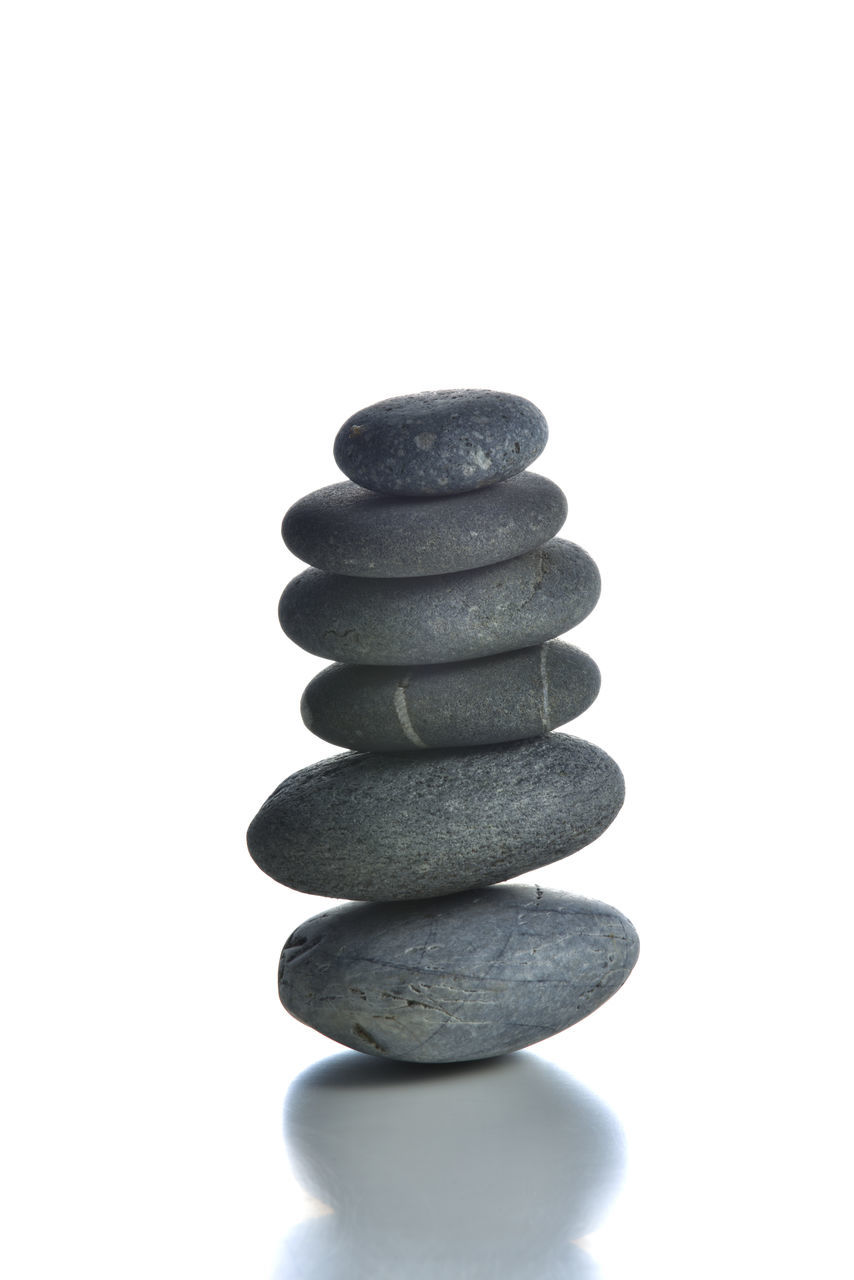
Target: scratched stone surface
{"points": [[453, 979], [438, 442], [445, 617], [451, 704], [381, 826], [344, 528]]}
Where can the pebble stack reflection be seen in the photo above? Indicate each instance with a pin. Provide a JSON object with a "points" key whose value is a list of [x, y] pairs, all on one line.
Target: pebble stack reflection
{"points": [[437, 589]]}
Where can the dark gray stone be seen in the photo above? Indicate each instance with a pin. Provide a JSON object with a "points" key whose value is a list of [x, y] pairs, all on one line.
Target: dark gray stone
{"points": [[439, 442], [453, 979], [346, 529], [451, 704], [443, 618], [392, 825]]}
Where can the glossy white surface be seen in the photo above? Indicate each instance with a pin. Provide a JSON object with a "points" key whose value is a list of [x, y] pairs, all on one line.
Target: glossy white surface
{"points": [[228, 227]]}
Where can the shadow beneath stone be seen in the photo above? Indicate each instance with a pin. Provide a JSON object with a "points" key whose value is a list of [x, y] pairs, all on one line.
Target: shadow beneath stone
{"points": [[485, 1169]]}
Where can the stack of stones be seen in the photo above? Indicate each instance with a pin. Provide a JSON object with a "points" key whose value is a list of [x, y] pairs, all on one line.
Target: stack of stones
{"points": [[437, 589]]}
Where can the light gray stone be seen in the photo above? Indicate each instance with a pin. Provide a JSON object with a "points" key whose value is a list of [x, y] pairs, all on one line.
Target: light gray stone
{"points": [[395, 825], [451, 704], [439, 442], [346, 529], [453, 979], [443, 618]]}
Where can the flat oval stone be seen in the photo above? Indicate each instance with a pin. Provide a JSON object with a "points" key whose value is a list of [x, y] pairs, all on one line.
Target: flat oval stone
{"points": [[451, 704], [346, 529], [390, 825], [445, 617], [453, 979], [439, 442]]}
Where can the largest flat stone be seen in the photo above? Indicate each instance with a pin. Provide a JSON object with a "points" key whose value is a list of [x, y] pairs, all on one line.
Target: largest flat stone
{"points": [[454, 979], [346, 529], [415, 825], [445, 617], [439, 442]]}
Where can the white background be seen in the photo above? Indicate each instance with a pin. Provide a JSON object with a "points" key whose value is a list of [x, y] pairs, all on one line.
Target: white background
{"points": [[226, 227]]}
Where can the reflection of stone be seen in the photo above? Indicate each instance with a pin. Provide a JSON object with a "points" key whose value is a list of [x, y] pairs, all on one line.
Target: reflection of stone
{"points": [[486, 1169], [320, 1250]]}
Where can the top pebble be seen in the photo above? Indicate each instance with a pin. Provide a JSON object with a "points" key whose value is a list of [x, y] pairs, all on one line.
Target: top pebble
{"points": [[440, 442]]}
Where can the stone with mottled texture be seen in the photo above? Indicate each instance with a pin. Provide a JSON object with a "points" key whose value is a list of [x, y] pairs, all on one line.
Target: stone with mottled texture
{"points": [[445, 617], [451, 704], [347, 529], [454, 979], [395, 825], [440, 442]]}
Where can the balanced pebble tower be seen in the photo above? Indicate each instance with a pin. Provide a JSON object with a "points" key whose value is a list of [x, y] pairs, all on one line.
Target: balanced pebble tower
{"points": [[437, 587]]}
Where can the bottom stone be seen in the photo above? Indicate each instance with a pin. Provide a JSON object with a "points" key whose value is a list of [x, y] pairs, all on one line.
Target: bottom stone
{"points": [[451, 979]]}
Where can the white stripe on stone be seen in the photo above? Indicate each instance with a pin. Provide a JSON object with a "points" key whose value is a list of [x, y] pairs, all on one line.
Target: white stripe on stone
{"points": [[403, 713]]}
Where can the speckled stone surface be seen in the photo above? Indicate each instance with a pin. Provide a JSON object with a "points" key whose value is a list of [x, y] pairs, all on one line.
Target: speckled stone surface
{"points": [[346, 529], [451, 704], [416, 824], [439, 442], [443, 618], [454, 979]]}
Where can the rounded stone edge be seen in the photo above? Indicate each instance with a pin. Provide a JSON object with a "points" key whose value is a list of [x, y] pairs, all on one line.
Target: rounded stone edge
{"points": [[323, 587], [465, 879], [298, 545], [363, 1042], [405, 733], [345, 457]]}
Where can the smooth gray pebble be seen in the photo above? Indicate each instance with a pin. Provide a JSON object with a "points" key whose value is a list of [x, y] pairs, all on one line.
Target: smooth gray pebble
{"points": [[445, 617], [347, 529], [380, 826], [438, 442], [455, 979], [500, 698]]}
